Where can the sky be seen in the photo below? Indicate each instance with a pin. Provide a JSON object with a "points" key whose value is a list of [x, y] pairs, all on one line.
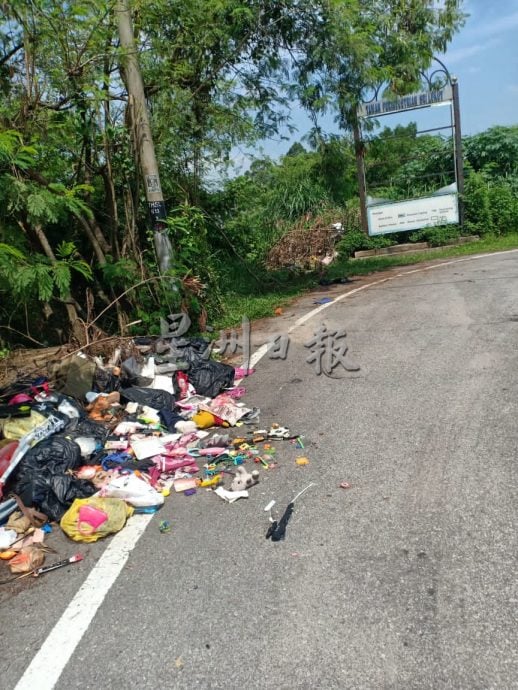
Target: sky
{"points": [[483, 56]]}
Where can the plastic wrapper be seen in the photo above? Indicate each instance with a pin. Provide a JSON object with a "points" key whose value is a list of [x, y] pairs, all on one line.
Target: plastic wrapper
{"points": [[134, 491], [89, 526], [27, 560]]}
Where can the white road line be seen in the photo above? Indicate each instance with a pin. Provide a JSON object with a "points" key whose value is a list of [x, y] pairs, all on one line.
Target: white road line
{"points": [[47, 666], [320, 308]]}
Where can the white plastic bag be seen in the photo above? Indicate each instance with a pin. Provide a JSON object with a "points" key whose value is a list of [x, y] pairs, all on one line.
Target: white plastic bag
{"points": [[7, 537], [134, 491]]}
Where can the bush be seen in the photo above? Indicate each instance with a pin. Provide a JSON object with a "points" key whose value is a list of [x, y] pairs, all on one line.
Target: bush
{"points": [[436, 236], [356, 240], [504, 207]]}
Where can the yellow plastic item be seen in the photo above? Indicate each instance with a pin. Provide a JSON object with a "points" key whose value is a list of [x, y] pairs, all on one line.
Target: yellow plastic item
{"points": [[302, 461], [211, 481], [14, 429], [115, 508], [204, 420], [7, 555]]}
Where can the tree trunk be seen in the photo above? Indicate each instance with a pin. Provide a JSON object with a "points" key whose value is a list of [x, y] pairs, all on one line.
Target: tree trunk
{"points": [[75, 323], [99, 253], [140, 117]]}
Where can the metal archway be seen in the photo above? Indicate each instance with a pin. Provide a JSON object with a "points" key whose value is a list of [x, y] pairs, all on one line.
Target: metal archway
{"points": [[440, 87]]}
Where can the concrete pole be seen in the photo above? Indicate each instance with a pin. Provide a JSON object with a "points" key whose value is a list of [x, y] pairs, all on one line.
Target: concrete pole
{"points": [[140, 117]]}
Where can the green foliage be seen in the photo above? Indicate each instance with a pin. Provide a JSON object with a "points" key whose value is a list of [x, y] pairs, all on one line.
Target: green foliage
{"points": [[436, 236], [218, 74], [495, 150]]}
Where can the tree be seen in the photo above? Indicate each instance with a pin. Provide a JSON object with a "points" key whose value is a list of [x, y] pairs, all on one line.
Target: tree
{"points": [[353, 47]]}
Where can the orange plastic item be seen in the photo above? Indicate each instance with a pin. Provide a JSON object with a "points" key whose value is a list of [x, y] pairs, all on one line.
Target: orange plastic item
{"points": [[7, 555]]}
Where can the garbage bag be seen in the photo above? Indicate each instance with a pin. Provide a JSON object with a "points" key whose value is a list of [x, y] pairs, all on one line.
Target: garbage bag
{"points": [[55, 455], [134, 491], [157, 399], [105, 381], [89, 428], [41, 478], [209, 378], [90, 519]]}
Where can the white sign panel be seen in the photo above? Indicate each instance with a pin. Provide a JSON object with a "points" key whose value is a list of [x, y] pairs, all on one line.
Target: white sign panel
{"points": [[423, 99], [413, 215]]}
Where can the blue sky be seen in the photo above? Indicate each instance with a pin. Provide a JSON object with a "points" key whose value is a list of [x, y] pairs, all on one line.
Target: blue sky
{"points": [[484, 57]]}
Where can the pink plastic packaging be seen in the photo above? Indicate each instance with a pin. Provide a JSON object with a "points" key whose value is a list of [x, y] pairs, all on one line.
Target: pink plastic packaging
{"points": [[92, 517]]}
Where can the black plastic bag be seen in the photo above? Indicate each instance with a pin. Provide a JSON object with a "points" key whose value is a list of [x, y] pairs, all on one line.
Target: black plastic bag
{"points": [[105, 381], [41, 478], [183, 351], [55, 455], [209, 378], [155, 398], [87, 427]]}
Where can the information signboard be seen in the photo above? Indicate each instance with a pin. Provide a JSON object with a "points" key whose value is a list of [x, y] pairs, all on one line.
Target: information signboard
{"points": [[400, 216]]}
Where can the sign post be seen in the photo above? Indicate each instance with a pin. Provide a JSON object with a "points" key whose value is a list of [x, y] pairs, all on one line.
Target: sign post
{"points": [[459, 164], [440, 208]]}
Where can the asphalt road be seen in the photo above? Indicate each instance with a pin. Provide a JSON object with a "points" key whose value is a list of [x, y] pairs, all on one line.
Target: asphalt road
{"points": [[406, 580]]}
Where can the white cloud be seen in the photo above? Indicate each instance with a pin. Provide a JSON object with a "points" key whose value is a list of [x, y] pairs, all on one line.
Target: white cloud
{"points": [[459, 54], [494, 28]]}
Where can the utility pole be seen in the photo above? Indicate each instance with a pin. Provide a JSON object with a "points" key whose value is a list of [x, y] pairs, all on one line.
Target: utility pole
{"points": [[144, 140]]}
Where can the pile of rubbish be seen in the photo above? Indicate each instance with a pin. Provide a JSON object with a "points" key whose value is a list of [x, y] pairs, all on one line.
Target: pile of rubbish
{"points": [[117, 437], [306, 246]]}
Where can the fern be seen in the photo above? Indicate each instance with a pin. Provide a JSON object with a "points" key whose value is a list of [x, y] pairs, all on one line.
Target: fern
{"points": [[44, 281], [62, 278]]}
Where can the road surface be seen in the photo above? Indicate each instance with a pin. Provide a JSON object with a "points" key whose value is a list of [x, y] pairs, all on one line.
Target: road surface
{"points": [[406, 580]]}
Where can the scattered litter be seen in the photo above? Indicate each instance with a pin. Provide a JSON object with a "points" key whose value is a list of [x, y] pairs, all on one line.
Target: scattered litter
{"points": [[148, 421], [230, 496], [90, 519], [60, 564], [28, 559], [323, 300], [302, 461], [279, 432], [240, 372], [345, 485], [7, 537], [244, 480], [277, 529]]}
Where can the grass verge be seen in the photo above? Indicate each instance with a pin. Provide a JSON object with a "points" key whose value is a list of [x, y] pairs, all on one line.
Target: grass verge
{"points": [[258, 295]]}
